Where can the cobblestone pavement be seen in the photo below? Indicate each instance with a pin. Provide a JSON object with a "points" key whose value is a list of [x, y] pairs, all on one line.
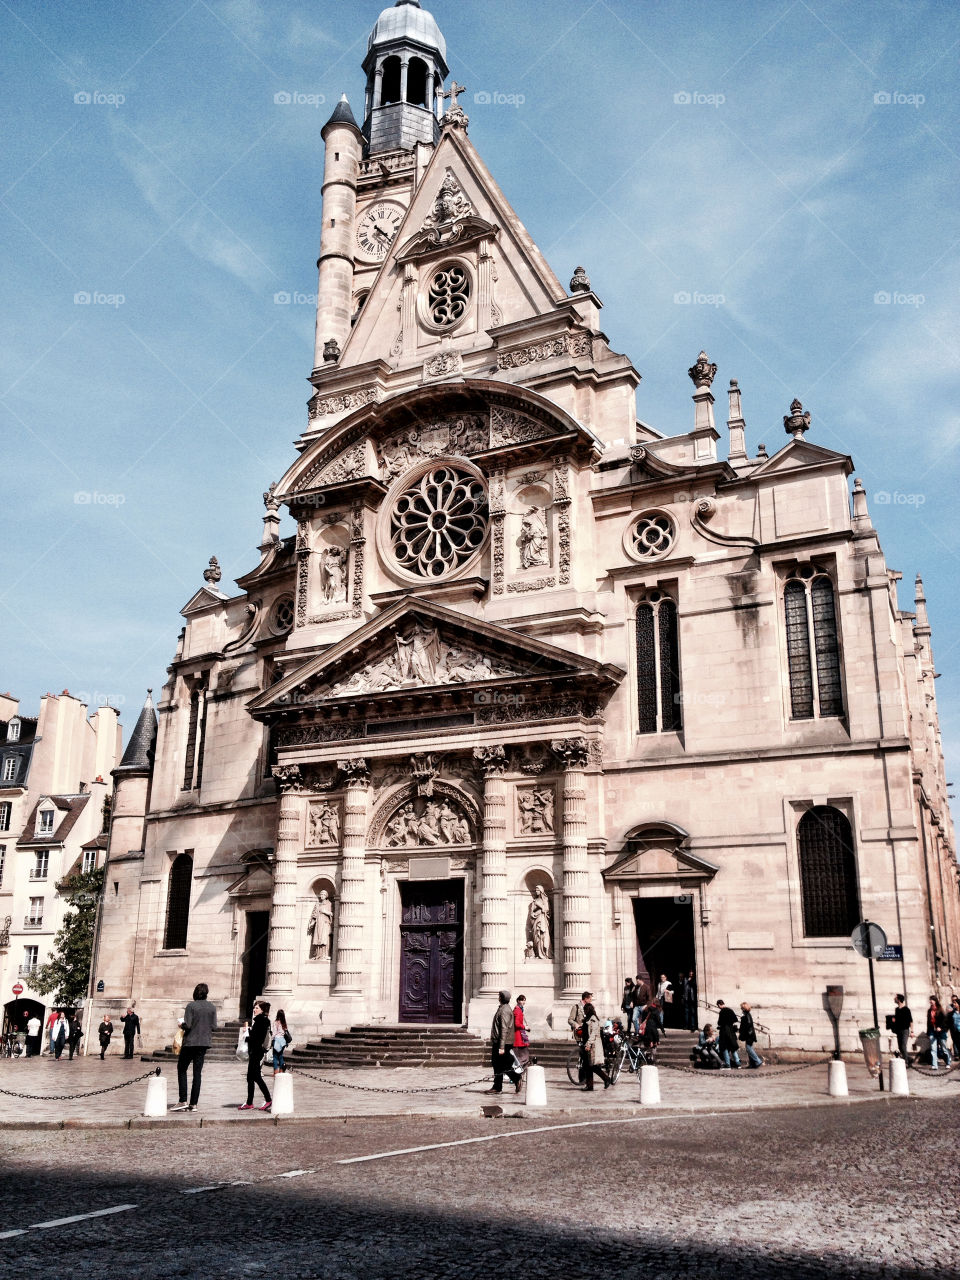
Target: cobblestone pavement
{"points": [[817, 1192], [224, 1086]]}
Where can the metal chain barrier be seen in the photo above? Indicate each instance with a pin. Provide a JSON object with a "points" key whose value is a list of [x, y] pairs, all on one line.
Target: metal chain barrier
{"points": [[368, 1088], [70, 1097], [929, 1071], [767, 1075]]}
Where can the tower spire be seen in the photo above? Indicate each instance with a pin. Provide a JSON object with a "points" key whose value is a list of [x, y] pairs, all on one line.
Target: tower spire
{"points": [[406, 65]]}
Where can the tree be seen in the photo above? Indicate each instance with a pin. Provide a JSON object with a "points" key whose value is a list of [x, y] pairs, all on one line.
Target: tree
{"points": [[67, 973]]}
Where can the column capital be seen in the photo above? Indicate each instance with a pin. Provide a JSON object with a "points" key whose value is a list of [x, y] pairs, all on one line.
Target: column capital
{"points": [[492, 761], [288, 777], [572, 752], [357, 770]]}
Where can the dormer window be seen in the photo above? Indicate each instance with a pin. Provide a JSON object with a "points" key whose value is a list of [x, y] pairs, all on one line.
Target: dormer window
{"points": [[13, 731], [45, 822], [9, 768]]}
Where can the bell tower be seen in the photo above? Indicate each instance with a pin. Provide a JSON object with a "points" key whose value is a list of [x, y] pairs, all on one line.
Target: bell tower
{"points": [[406, 65]]}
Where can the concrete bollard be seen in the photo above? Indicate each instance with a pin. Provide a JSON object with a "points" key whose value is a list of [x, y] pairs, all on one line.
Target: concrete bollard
{"points": [[837, 1080], [536, 1087], [649, 1087], [156, 1103], [282, 1094], [898, 1078]]}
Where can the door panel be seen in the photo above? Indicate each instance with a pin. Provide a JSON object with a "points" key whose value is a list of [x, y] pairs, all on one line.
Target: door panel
{"points": [[431, 951]]}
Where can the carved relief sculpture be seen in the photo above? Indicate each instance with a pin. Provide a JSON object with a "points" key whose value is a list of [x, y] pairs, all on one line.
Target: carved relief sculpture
{"points": [[459, 436], [333, 575], [427, 823], [533, 540], [535, 810], [539, 925], [420, 658], [321, 927], [324, 824]]}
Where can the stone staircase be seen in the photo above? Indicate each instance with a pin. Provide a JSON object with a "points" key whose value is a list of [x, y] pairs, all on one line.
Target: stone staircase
{"points": [[223, 1048]]}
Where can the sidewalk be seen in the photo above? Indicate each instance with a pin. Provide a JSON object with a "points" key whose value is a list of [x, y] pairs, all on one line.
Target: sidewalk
{"points": [[224, 1086]]}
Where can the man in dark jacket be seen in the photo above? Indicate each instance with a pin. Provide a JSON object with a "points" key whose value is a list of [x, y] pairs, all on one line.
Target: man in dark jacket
{"points": [[748, 1035], [902, 1025], [501, 1046], [727, 1034], [199, 1022], [131, 1028]]}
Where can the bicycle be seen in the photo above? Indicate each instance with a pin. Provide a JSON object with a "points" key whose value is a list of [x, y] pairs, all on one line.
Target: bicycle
{"points": [[619, 1050]]}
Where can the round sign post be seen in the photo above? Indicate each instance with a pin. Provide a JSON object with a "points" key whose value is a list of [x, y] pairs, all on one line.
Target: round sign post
{"points": [[18, 988], [870, 941]]}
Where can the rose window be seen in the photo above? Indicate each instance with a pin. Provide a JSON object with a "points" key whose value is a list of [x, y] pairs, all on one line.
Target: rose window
{"points": [[653, 535], [439, 522], [448, 296]]}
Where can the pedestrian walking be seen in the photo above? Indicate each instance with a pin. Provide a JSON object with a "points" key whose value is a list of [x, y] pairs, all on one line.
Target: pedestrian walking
{"points": [[902, 1025], [953, 1022], [501, 1046], [521, 1036], [688, 996], [131, 1028], [34, 1030], [748, 1036], [199, 1022], [649, 1029], [50, 1024], [641, 998], [937, 1031], [727, 1034], [281, 1038], [58, 1036], [664, 999], [591, 1050], [75, 1035], [259, 1036], [105, 1031], [626, 1002], [575, 1023]]}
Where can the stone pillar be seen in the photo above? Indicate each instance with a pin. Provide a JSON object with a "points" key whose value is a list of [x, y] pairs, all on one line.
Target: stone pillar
{"points": [[283, 908], [404, 72], [493, 891], [572, 753], [352, 905]]}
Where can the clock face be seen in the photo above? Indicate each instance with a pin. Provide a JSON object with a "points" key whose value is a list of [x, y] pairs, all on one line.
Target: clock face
{"points": [[378, 228]]}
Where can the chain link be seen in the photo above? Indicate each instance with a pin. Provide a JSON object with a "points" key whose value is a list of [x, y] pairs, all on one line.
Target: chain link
{"points": [[70, 1097], [366, 1088], [784, 1071], [929, 1071]]}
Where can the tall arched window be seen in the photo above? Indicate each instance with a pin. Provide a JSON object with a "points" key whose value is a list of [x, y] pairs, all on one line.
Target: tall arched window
{"points": [[178, 902], [390, 82], [658, 665], [417, 82], [810, 617], [828, 873]]}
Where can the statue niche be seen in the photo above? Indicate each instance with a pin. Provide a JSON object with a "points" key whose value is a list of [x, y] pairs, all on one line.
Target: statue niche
{"points": [[320, 927], [539, 945]]}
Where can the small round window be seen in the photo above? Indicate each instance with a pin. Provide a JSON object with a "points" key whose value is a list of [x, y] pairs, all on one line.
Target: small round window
{"points": [[448, 295], [282, 619], [439, 521], [651, 535]]}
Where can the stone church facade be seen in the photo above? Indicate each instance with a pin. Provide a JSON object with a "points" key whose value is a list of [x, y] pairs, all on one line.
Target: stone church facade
{"points": [[536, 696]]}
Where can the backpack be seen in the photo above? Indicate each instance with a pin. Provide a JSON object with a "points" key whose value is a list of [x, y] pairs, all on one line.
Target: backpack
{"points": [[280, 1041]]}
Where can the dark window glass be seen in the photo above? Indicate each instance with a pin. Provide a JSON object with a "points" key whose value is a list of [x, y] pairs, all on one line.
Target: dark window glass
{"points": [[828, 873], [190, 753], [827, 647], [646, 670], [798, 651], [178, 901], [670, 706]]}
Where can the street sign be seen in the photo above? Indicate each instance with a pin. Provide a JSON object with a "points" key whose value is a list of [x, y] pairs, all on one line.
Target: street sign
{"points": [[892, 951], [18, 988], [869, 940]]}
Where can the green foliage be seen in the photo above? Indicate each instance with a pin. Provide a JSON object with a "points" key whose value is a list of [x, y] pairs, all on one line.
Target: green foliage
{"points": [[66, 975]]}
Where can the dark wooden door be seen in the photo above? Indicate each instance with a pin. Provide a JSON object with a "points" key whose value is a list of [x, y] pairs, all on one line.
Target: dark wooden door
{"points": [[431, 951]]}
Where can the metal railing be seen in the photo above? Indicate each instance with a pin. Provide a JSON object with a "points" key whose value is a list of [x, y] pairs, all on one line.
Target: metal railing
{"points": [[33, 922]]}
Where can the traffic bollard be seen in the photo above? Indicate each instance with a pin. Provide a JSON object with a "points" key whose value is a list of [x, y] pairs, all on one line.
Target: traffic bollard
{"points": [[898, 1078], [156, 1103], [649, 1087], [837, 1079], [536, 1087], [282, 1094]]}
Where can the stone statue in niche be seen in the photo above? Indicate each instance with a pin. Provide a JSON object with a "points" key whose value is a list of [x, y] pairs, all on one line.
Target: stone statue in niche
{"points": [[540, 939], [533, 540], [324, 824], [321, 927], [431, 823], [333, 575], [535, 805], [419, 654]]}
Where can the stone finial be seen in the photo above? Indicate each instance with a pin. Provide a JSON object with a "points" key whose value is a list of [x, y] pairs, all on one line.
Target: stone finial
{"points": [[212, 574], [703, 372], [270, 498], [922, 625], [735, 423], [331, 351], [580, 282], [761, 450], [861, 515], [796, 422], [455, 114]]}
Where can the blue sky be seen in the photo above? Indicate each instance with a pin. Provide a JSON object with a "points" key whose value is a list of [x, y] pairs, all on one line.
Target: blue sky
{"points": [[791, 168]]}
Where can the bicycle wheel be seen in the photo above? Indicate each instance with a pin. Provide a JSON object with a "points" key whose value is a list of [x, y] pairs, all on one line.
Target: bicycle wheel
{"points": [[614, 1065], [573, 1067]]}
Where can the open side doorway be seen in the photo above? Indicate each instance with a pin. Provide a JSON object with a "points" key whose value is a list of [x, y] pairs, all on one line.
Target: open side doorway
{"points": [[666, 945]]}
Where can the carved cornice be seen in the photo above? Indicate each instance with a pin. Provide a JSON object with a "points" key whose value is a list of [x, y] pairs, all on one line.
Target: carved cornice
{"points": [[356, 771], [567, 344]]}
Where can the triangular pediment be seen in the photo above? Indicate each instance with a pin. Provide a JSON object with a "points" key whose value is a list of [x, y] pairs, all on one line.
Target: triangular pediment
{"points": [[798, 454], [205, 598], [650, 858], [426, 648]]}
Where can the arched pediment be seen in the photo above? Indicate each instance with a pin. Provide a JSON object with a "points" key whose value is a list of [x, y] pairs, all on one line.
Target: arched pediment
{"points": [[447, 819], [657, 851]]}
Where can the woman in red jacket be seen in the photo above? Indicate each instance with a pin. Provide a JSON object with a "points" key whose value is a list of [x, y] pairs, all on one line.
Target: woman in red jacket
{"points": [[521, 1036]]}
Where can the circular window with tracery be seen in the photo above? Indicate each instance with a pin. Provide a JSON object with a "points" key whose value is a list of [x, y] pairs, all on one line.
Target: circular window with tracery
{"points": [[651, 535], [282, 619], [439, 521], [448, 295]]}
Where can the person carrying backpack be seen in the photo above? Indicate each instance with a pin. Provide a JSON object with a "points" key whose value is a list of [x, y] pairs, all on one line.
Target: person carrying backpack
{"points": [[260, 1036], [281, 1038]]}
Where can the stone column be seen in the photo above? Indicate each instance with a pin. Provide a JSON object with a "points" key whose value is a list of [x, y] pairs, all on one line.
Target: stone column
{"points": [[352, 904], [572, 753], [283, 908], [493, 883]]}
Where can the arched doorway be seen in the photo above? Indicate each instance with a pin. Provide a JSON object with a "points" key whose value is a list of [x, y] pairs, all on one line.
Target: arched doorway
{"points": [[16, 1014]]}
